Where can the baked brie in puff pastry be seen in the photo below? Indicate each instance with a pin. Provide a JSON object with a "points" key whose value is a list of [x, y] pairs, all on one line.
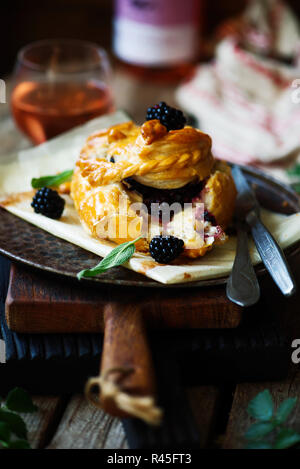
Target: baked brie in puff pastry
{"points": [[146, 165]]}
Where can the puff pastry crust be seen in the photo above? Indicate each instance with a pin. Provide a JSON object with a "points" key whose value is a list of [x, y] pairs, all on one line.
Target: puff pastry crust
{"points": [[158, 159], [149, 154]]}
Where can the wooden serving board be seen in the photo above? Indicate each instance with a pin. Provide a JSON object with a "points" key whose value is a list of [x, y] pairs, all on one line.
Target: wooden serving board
{"points": [[126, 383], [38, 303]]}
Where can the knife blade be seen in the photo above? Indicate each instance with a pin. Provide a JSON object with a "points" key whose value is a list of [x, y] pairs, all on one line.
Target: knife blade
{"points": [[270, 252]]}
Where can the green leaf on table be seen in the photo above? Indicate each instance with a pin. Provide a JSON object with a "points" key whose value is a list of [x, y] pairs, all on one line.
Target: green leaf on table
{"points": [[261, 407], [258, 430], [19, 400], [117, 256], [285, 409], [286, 439], [259, 445], [15, 423], [4, 432], [19, 444], [3, 444], [49, 181]]}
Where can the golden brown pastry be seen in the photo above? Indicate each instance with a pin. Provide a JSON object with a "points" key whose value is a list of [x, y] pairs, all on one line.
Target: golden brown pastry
{"points": [[149, 154], [149, 165]]}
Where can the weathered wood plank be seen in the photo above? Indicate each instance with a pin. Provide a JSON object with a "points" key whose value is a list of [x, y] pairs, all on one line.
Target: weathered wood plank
{"points": [[85, 427], [204, 401], [239, 420], [41, 424]]}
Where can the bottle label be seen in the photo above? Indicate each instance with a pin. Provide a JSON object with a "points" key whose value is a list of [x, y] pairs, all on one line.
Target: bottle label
{"points": [[156, 32]]}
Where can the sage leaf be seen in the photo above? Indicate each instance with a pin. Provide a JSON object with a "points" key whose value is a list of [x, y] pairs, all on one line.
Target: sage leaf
{"points": [[15, 423], [117, 256], [19, 400], [286, 439], [285, 409], [261, 407], [3, 444], [259, 429], [294, 171], [48, 181]]}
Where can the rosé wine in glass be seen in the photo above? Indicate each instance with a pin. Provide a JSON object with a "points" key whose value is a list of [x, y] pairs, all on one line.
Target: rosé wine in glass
{"points": [[59, 84]]}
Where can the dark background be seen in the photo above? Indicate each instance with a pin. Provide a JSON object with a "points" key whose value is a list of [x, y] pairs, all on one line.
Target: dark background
{"points": [[24, 21]]}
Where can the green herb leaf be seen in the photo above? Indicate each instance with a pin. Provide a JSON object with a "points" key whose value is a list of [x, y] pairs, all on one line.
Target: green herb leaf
{"points": [[3, 444], [286, 439], [261, 407], [117, 256], [259, 429], [295, 171], [285, 409], [48, 181], [19, 400], [259, 445], [15, 423], [4, 432]]}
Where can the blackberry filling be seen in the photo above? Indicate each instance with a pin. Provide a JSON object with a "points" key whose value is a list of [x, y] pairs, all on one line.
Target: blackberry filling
{"points": [[152, 195], [209, 217]]}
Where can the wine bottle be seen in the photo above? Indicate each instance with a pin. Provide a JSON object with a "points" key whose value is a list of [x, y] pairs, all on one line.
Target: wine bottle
{"points": [[157, 35]]}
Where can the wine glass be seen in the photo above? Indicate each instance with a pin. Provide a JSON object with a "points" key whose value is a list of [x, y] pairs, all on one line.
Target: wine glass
{"points": [[59, 84]]}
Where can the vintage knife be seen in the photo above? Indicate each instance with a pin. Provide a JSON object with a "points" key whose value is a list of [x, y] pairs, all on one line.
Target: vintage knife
{"points": [[242, 287], [270, 252]]}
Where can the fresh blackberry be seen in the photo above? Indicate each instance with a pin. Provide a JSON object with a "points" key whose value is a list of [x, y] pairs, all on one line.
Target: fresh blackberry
{"points": [[171, 118], [47, 202], [165, 249]]}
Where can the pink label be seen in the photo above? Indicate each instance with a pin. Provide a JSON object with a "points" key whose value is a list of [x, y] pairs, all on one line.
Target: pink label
{"points": [[159, 12]]}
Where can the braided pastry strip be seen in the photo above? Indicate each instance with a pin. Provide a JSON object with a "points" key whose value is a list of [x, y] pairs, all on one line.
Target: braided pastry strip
{"points": [[100, 171]]}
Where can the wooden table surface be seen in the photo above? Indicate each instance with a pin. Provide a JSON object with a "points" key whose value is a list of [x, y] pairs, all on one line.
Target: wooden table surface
{"points": [[220, 411]]}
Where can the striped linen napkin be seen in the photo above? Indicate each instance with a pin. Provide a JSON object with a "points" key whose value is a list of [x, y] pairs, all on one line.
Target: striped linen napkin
{"points": [[247, 99]]}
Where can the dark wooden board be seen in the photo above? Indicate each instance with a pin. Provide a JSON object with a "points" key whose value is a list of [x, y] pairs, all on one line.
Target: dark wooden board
{"points": [[38, 303], [205, 406]]}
